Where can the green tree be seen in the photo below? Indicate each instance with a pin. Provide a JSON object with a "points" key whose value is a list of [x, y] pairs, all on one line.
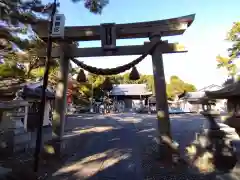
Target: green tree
{"points": [[189, 87], [17, 16], [228, 64], [16, 19], [10, 68], [234, 37], [94, 6], [178, 86], [116, 79], [175, 87], [11, 71]]}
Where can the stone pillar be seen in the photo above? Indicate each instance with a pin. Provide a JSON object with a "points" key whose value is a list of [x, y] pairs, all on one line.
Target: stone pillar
{"points": [[61, 96], [164, 132]]}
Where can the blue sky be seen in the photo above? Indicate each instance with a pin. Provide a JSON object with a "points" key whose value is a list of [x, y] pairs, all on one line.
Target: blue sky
{"points": [[204, 39]]}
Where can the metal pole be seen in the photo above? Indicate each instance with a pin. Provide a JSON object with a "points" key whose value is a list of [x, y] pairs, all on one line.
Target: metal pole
{"points": [[43, 97]]}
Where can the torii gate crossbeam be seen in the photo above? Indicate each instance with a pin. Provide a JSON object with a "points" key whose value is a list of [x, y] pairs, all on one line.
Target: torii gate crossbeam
{"points": [[166, 27]]}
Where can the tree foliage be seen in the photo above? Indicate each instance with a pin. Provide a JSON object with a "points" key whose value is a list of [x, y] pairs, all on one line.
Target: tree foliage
{"points": [[17, 16], [228, 63], [94, 6], [11, 71], [234, 37], [16, 19], [175, 87]]}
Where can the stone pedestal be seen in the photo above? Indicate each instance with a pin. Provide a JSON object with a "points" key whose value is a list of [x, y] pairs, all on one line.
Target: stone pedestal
{"points": [[13, 137], [14, 134], [213, 147]]}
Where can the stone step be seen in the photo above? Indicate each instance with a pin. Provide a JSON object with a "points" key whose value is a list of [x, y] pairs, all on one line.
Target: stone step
{"points": [[15, 144], [22, 138], [19, 131], [20, 147]]}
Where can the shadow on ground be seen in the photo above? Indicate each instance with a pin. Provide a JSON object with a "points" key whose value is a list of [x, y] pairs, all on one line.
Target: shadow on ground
{"points": [[105, 147], [117, 144], [116, 147]]}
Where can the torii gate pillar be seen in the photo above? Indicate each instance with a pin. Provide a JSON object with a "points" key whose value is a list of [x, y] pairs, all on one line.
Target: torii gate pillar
{"points": [[164, 132], [61, 97]]}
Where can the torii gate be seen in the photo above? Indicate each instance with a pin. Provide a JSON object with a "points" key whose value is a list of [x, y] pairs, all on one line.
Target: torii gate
{"points": [[108, 34]]}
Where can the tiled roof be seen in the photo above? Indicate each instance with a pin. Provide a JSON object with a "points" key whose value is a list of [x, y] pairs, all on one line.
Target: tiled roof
{"points": [[38, 84], [232, 90], [194, 95], [130, 89], [9, 87], [211, 87]]}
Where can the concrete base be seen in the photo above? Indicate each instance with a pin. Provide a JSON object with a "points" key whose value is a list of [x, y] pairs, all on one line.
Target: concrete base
{"points": [[47, 136], [59, 148], [164, 152]]}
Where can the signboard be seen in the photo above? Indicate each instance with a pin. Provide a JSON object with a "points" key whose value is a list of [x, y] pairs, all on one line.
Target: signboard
{"points": [[58, 26]]}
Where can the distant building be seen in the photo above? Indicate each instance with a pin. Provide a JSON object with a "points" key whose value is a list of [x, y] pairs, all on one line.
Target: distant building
{"points": [[212, 87], [191, 99], [131, 94]]}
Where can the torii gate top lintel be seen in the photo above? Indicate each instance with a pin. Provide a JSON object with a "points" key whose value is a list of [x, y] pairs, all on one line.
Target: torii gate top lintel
{"points": [[166, 27]]}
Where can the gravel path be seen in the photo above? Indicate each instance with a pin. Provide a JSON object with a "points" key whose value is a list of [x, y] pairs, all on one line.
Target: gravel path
{"points": [[111, 153], [183, 130], [123, 147]]}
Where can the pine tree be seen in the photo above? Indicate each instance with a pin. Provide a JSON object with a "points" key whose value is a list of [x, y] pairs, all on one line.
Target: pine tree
{"points": [[94, 6], [16, 18]]}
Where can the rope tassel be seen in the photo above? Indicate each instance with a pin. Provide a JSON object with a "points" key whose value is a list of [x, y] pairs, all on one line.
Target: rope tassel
{"points": [[81, 76], [116, 70], [134, 75]]}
